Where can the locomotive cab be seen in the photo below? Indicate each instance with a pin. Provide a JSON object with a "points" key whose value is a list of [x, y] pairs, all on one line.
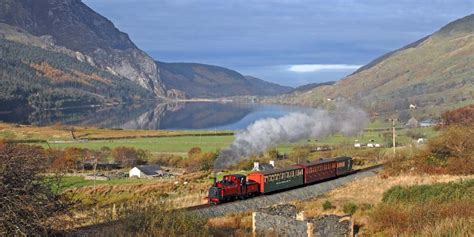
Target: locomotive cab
{"points": [[231, 187]]}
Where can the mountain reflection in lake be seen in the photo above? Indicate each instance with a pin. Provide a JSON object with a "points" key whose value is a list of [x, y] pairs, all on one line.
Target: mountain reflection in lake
{"points": [[176, 116]]}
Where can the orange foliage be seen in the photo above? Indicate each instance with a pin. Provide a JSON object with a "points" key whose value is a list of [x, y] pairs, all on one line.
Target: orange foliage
{"points": [[463, 116], [59, 76]]}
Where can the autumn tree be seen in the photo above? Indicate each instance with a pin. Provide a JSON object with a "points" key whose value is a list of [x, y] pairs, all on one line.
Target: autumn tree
{"points": [[129, 156], [28, 204], [207, 160], [462, 116], [195, 151]]}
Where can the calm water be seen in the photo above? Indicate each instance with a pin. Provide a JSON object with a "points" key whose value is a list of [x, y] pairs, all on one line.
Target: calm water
{"points": [[180, 116]]}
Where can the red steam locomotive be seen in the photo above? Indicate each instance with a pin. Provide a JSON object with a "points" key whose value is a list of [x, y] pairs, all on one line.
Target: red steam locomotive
{"points": [[238, 186]]}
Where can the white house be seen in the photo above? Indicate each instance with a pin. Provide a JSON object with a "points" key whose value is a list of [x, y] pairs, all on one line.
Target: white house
{"points": [[146, 171], [262, 167]]}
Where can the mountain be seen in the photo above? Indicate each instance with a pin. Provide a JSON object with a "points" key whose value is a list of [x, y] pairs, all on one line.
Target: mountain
{"points": [[311, 86], [434, 73], [94, 39], [208, 81], [31, 76], [72, 29]]}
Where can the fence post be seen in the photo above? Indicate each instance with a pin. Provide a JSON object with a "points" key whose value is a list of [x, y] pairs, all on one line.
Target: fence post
{"points": [[310, 229], [254, 224]]}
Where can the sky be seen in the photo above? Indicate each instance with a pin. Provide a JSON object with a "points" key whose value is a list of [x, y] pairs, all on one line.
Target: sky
{"points": [[290, 42]]}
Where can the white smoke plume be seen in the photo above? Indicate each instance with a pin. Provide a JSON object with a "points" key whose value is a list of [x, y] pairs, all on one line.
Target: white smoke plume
{"points": [[267, 133]]}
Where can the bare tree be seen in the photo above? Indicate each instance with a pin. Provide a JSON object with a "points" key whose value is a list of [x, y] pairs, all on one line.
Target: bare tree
{"points": [[29, 203]]}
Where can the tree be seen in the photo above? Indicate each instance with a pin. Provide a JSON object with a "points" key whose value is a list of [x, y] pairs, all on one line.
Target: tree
{"points": [[207, 160], [194, 151], [129, 156], [461, 116], [73, 155], [28, 204]]}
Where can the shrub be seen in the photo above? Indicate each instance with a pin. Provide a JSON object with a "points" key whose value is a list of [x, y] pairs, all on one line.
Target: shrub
{"points": [[415, 210], [463, 116], [442, 192], [408, 219], [327, 205], [349, 208]]}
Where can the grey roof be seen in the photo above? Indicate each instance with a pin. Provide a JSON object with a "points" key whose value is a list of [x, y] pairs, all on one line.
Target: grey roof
{"points": [[149, 169], [265, 167]]}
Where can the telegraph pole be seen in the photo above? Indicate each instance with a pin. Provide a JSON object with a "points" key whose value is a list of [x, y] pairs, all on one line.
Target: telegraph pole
{"points": [[393, 136]]}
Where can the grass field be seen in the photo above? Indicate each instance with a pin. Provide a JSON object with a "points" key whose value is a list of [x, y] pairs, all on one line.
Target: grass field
{"points": [[158, 145], [179, 142]]}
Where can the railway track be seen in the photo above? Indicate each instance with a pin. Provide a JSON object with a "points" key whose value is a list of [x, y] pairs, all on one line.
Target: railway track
{"points": [[211, 210], [204, 206]]}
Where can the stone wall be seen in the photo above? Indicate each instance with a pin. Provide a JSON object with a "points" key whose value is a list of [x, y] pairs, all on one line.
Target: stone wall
{"points": [[264, 223]]}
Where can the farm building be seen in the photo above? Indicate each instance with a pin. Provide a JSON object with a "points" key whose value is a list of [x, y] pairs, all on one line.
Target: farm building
{"points": [[412, 123], [261, 167], [146, 171]]}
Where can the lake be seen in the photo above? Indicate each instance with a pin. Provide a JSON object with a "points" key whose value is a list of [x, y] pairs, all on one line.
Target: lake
{"points": [[170, 116]]}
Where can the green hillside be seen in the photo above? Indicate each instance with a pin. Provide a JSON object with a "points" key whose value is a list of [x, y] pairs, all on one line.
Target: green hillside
{"points": [[208, 81], [35, 77], [434, 73]]}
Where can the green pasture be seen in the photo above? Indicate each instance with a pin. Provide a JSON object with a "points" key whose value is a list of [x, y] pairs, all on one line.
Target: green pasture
{"points": [[182, 144], [158, 145]]}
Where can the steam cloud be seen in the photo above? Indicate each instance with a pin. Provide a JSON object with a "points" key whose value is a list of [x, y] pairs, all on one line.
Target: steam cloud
{"points": [[266, 133]]}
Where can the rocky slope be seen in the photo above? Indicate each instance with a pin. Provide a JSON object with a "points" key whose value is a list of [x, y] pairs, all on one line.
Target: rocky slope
{"points": [[70, 27], [93, 38], [434, 73], [208, 81]]}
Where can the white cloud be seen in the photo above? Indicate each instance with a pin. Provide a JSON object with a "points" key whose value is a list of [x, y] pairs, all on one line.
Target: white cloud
{"points": [[322, 67]]}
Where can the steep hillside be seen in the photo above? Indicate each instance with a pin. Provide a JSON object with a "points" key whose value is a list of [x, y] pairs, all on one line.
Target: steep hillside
{"points": [[94, 39], [434, 73], [34, 77], [207, 81], [71, 28]]}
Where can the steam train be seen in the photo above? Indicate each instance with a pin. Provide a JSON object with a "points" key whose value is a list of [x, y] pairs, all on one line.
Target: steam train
{"points": [[238, 186]]}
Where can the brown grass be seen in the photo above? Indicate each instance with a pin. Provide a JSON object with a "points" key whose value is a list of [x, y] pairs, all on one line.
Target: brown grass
{"points": [[401, 219], [370, 191], [57, 132]]}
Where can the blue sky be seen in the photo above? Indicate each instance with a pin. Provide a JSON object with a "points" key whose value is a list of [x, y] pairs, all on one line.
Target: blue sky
{"points": [[290, 42]]}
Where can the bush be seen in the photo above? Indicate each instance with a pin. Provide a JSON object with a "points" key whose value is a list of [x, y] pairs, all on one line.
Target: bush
{"points": [[452, 152], [327, 205], [349, 208], [412, 220], [415, 210], [442, 192]]}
